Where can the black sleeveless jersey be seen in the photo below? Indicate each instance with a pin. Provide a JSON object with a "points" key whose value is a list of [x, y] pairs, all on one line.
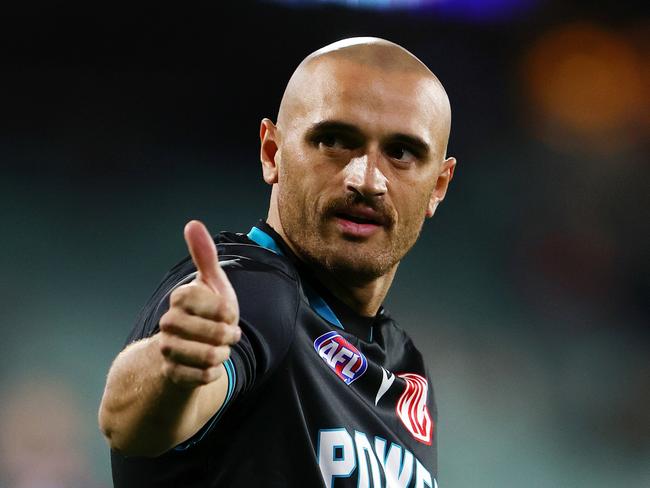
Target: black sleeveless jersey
{"points": [[317, 395]]}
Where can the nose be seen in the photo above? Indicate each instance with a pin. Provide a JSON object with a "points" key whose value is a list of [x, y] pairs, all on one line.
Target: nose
{"points": [[362, 176]]}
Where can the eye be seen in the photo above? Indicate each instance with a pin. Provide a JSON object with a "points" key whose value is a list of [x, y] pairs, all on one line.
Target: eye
{"points": [[331, 141], [335, 141], [401, 153]]}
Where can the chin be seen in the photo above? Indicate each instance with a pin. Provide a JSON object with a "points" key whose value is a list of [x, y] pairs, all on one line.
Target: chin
{"points": [[352, 261], [357, 268]]}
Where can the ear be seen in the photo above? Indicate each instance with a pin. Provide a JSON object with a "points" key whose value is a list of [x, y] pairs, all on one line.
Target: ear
{"points": [[442, 183], [269, 151]]}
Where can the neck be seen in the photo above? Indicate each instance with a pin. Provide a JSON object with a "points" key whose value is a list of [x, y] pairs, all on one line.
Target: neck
{"points": [[364, 297]]}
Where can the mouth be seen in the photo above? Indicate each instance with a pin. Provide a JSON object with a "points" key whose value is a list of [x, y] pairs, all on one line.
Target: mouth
{"points": [[357, 219], [359, 222], [361, 214]]}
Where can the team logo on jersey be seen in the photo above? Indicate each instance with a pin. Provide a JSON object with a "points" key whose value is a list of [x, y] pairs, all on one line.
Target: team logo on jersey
{"points": [[386, 381], [344, 359], [412, 407]]}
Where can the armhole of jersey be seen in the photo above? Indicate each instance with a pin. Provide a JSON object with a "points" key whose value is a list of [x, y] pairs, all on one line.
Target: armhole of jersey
{"points": [[198, 437]]}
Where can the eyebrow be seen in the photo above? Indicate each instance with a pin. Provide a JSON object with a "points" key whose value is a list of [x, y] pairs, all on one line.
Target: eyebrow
{"points": [[414, 142], [333, 126]]}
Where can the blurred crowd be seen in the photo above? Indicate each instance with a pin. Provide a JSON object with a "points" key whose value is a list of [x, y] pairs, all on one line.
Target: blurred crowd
{"points": [[528, 292]]}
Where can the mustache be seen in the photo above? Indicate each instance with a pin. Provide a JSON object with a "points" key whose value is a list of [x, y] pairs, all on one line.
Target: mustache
{"points": [[345, 204]]}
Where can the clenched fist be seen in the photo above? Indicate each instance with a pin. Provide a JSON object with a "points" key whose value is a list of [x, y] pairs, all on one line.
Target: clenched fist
{"points": [[201, 324]]}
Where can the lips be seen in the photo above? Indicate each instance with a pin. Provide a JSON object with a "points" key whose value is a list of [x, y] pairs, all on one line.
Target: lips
{"points": [[362, 215], [359, 222]]}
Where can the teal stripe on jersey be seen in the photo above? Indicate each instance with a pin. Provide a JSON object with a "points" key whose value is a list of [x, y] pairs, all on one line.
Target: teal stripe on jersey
{"points": [[316, 302], [263, 239], [321, 308]]}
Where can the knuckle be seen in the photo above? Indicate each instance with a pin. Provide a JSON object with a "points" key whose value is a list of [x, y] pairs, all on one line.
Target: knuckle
{"points": [[169, 318], [183, 296], [165, 345], [173, 321], [225, 353], [211, 356], [219, 332], [228, 334], [178, 296], [164, 321], [208, 375]]}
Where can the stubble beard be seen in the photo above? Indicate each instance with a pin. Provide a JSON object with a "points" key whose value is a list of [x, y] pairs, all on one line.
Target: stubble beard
{"points": [[314, 236]]}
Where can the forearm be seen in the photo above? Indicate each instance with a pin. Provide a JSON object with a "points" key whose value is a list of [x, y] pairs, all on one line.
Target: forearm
{"points": [[142, 412], [161, 390]]}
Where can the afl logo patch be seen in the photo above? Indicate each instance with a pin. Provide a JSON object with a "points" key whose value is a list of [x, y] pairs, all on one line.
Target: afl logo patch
{"points": [[341, 356], [412, 407]]}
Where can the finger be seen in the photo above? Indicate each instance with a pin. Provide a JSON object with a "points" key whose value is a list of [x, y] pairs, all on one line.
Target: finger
{"points": [[192, 353], [197, 298], [198, 329], [204, 255], [188, 376]]}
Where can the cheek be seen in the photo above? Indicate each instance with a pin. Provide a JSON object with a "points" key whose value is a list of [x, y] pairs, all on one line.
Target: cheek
{"points": [[296, 184], [312, 173], [411, 203]]}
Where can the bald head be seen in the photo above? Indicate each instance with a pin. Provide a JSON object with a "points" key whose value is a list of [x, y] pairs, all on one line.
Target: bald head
{"points": [[376, 58], [363, 124], [371, 51]]}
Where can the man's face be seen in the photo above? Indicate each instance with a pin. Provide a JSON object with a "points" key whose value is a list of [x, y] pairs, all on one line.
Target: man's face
{"points": [[361, 164]]}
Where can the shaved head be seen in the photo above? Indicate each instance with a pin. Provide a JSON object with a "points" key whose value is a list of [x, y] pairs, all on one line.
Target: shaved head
{"points": [[357, 159], [377, 56]]}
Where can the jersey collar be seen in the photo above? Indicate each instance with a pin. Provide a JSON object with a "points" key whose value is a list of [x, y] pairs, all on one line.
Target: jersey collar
{"points": [[317, 304]]}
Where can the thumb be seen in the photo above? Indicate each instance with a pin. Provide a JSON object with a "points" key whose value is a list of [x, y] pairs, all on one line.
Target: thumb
{"points": [[204, 255]]}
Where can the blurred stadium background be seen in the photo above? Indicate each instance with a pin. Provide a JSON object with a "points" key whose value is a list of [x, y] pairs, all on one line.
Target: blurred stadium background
{"points": [[528, 292]]}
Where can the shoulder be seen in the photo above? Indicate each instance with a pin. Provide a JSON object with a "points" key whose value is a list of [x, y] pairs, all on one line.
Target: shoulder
{"points": [[263, 281], [244, 254], [266, 284], [237, 255]]}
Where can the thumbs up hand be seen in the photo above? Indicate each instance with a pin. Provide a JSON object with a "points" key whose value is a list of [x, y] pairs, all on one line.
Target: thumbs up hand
{"points": [[201, 324]]}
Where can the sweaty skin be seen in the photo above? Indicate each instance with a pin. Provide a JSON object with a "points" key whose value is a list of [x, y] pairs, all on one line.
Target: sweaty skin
{"points": [[356, 162]]}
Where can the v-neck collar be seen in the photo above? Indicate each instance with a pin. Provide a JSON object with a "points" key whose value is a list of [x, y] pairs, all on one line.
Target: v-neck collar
{"points": [[321, 300]]}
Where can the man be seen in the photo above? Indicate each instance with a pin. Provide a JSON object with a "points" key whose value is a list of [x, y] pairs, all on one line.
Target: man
{"points": [[278, 366]]}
